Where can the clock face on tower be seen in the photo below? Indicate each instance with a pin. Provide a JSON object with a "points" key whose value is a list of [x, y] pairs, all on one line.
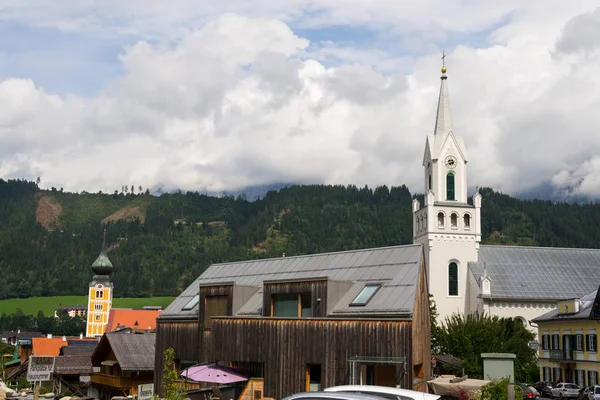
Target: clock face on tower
{"points": [[450, 162]]}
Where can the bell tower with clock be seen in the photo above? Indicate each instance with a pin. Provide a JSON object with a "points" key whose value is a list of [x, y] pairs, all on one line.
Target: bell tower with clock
{"points": [[447, 225], [100, 295]]}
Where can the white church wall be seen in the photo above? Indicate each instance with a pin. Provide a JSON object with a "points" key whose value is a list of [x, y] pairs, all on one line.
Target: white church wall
{"points": [[526, 310]]}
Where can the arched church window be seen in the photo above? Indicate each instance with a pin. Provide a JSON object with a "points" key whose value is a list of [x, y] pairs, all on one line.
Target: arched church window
{"points": [[467, 221], [418, 223], [454, 220], [452, 279], [100, 294], [440, 220], [450, 186], [429, 182]]}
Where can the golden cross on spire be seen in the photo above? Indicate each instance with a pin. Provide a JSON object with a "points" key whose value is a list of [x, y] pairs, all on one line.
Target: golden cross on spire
{"points": [[443, 62], [104, 240]]}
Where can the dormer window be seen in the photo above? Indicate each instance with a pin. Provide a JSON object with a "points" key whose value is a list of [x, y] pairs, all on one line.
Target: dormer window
{"points": [[214, 306], [293, 305], [365, 295], [192, 303]]}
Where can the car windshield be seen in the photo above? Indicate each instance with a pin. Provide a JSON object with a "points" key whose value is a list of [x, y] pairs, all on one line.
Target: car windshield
{"points": [[571, 386]]}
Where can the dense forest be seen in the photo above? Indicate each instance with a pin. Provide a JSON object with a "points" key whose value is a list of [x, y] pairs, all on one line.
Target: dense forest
{"points": [[159, 244]]}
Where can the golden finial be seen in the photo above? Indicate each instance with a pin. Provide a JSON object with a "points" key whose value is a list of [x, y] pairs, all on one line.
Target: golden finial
{"points": [[443, 62]]}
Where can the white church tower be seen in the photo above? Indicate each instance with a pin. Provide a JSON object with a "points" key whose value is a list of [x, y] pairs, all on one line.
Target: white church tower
{"points": [[448, 227]]}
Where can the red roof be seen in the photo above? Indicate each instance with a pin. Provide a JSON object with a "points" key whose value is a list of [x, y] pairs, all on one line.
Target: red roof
{"points": [[45, 346], [138, 319]]}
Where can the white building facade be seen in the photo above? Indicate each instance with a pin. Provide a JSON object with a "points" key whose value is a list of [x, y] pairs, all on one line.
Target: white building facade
{"points": [[464, 276], [448, 227]]}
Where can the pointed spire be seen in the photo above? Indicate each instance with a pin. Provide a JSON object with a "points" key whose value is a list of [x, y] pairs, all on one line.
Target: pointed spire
{"points": [[443, 120], [102, 265]]}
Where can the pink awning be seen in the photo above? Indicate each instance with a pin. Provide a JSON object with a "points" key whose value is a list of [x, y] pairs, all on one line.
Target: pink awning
{"points": [[214, 373]]}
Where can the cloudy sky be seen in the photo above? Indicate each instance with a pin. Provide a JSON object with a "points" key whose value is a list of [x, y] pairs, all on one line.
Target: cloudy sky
{"points": [[219, 95]]}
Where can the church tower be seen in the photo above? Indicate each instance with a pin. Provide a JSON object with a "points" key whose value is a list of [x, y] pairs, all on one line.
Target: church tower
{"points": [[447, 226], [99, 295]]}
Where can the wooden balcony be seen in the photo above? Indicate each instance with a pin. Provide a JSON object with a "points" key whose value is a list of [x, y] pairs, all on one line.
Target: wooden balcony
{"points": [[112, 381]]}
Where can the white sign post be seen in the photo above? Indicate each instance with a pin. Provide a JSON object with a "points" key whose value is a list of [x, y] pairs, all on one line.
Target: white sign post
{"points": [[39, 369], [145, 392]]}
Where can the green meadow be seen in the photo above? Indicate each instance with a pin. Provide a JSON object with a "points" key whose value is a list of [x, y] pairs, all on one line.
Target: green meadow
{"points": [[33, 305]]}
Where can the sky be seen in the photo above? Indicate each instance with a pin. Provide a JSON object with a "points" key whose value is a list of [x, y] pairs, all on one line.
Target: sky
{"points": [[214, 96]]}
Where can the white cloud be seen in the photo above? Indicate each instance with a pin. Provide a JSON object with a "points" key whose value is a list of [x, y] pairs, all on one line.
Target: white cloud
{"points": [[244, 100]]}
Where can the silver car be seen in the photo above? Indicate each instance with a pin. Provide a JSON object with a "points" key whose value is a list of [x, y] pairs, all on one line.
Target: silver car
{"points": [[592, 393], [564, 391], [388, 393], [330, 396]]}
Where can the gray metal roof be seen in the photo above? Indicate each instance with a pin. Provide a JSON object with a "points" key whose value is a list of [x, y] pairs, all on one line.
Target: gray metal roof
{"points": [[587, 302], [134, 351], [543, 273], [396, 267]]}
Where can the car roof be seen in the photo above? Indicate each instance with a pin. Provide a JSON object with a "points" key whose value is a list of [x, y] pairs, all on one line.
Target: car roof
{"points": [[383, 389], [332, 395]]}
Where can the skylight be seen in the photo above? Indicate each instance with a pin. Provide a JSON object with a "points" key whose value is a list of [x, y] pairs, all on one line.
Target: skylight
{"points": [[192, 303], [365, 295]]}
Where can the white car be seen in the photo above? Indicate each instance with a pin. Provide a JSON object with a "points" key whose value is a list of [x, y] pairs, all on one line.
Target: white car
{"points": [[592, 393], [564, 390], [385, 392]]}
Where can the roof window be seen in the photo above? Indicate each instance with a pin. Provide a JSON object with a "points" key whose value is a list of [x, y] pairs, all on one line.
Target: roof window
{"points": [[365, 294], [192, 303]]}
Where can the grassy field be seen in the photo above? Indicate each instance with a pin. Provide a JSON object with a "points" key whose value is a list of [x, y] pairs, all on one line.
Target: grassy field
{"points": [[32, 305]]}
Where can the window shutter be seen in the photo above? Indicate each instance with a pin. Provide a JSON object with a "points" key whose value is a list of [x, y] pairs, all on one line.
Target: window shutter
{"points": [[594, 339], [587, 345]]}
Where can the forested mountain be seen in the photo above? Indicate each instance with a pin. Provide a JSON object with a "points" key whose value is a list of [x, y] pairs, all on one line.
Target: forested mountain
{"points": [[48, 239]]}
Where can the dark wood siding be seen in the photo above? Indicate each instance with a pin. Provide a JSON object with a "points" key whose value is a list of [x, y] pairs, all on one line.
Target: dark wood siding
{"points": [[286, 346], [182, 336], [317, 289], [204, 336], [421, 333]]}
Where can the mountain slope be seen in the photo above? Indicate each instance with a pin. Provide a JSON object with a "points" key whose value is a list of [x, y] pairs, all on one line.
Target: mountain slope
{"points": [[160, 244]]}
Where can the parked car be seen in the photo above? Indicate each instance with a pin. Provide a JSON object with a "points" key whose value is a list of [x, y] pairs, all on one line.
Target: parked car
{"points": [[564, 390], [544, 388], [529, 392], [583, 393], [592, 393], [389, 393], [330, 396]]}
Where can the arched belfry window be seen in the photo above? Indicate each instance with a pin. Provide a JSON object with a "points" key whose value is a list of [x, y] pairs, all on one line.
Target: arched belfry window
{"points": [[429, 182], [450, 186], [454, 220], [440, 219], [452, 279], [467, 221]]}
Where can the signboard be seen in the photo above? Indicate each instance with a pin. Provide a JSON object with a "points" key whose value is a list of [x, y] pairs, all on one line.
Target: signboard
{"points": [[145, 392], [40, 368]]}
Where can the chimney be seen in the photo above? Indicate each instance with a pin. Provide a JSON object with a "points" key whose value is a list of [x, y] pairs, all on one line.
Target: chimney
{"points": [[64, 338], [81, 336], [49, 336], [18, 331]]}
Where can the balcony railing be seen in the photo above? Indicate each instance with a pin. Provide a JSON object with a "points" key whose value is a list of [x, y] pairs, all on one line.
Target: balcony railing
{"points": [[561, 355]]}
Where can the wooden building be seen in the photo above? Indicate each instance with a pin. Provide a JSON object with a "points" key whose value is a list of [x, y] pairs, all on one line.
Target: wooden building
{"points": [[308, 322], [122, 361]]}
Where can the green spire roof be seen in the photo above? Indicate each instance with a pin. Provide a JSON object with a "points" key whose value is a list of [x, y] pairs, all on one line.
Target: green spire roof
{"points": [[102, 265]]}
